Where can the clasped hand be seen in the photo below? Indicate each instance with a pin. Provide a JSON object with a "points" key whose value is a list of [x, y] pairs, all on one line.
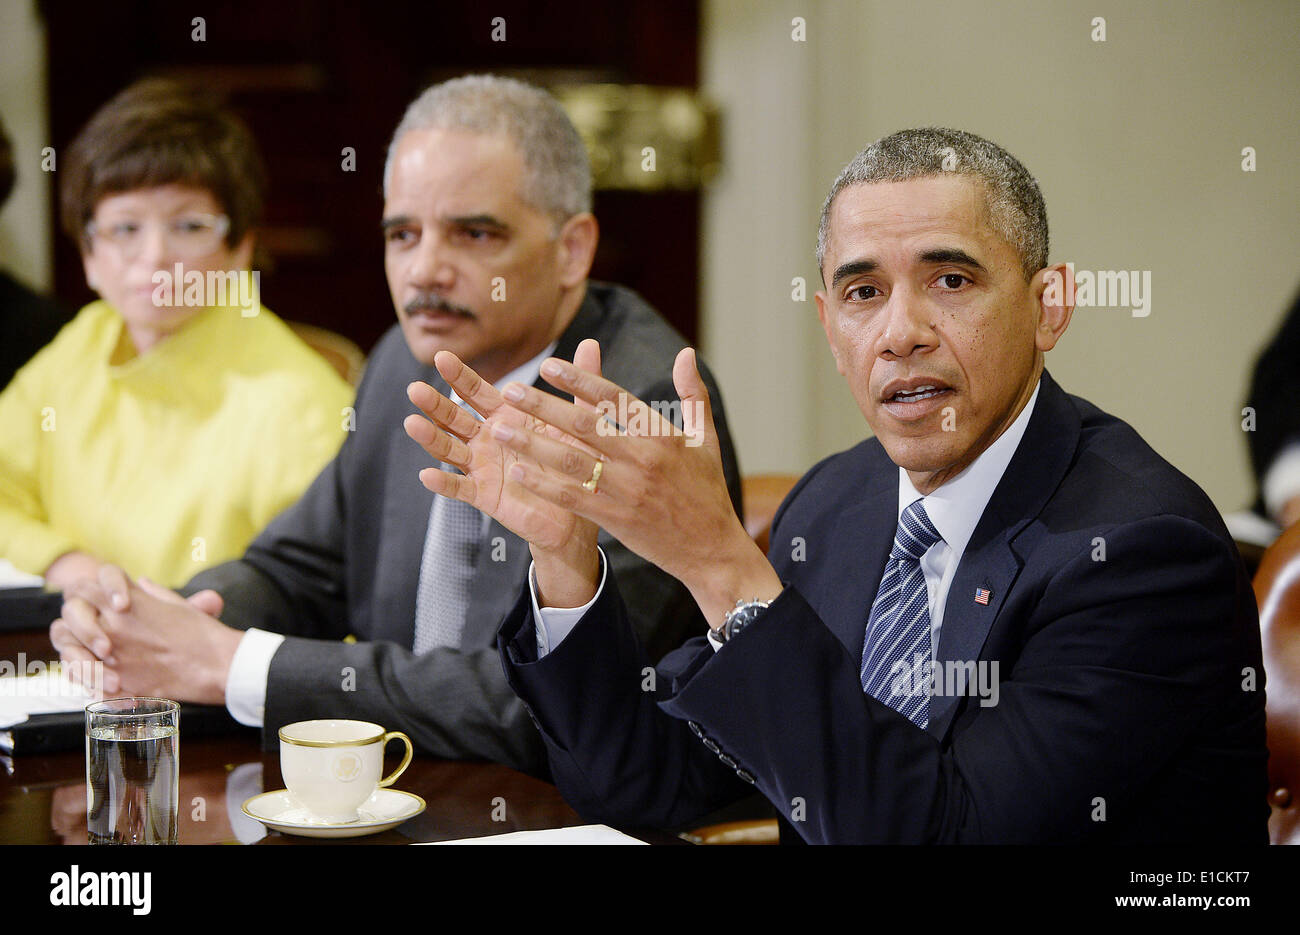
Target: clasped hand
{"points": [[150, 641]]}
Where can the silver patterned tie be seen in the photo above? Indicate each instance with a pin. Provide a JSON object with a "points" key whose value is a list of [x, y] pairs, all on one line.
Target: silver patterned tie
{"points": [[446, 571], [896, 651]]}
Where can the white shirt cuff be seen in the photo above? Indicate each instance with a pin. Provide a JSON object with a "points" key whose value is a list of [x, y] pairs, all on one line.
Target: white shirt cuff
{"points": [[249, 671], [555, 623], [1282, 480]]}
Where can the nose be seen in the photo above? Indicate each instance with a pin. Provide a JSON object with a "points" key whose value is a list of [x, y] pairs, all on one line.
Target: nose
{"points": [[907, 325], [154, 249], [431, 266]]}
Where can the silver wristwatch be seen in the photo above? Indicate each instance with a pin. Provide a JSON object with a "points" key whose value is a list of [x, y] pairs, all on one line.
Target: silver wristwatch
{"points": [[739, 617]]}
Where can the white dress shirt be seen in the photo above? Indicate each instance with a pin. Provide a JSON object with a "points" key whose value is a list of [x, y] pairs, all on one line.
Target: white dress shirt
{"points": [[955, 509], [251, 665]]}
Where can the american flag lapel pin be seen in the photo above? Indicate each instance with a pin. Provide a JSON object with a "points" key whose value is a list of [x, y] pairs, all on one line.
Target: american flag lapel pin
{"points": [[982, 596]]}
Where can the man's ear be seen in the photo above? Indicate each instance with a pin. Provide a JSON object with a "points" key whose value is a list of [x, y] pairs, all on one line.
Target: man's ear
{"points": [[824, 316], [1053, 288], [577, 243]]}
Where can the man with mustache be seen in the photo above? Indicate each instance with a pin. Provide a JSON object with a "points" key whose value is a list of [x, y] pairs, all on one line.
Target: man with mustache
{"points": [[1003, 619], [488, 240]]}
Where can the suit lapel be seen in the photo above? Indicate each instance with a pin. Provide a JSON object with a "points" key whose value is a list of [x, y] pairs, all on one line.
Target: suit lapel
{"points": [[863, 536], [992, 567], [404, 523], [990, 561]]}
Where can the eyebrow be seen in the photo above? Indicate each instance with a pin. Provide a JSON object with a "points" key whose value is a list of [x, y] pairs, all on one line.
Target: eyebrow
{"points": [[853, 268], [938, 255], [952, 255], [479, 220], [469, 220]]}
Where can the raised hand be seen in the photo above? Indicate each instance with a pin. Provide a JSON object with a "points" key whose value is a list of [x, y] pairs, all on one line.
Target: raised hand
{"points": [[661, 491], [563, 544]]}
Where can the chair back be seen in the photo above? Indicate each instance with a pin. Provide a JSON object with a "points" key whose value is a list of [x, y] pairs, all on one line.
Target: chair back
{"points": [[1277, 588], [763, 494], [338, 351]]}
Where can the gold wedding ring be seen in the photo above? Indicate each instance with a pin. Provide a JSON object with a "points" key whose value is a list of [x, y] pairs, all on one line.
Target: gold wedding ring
{"points": [[589, 485]]}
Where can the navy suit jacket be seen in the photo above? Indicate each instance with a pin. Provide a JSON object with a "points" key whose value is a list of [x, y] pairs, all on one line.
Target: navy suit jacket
{"points": [[1130, 703]]}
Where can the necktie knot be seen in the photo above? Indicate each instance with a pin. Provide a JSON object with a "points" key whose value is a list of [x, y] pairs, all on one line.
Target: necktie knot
{"points": [[915, 533]]}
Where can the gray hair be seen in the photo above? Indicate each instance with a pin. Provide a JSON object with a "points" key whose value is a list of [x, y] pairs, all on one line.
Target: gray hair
{"points": [[1015, 203], [557, 176]]}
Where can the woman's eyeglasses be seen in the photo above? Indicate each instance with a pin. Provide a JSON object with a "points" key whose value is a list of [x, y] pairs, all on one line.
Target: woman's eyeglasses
{"points": [[188, 236]]}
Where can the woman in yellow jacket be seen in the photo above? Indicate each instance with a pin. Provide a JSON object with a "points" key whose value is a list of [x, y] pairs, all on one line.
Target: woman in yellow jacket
{"points": [[171, 420]]}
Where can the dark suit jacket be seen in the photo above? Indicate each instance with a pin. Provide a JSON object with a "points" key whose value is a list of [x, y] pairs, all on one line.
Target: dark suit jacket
{"points": [[28, 321], [1120, 716], [346, 560]]}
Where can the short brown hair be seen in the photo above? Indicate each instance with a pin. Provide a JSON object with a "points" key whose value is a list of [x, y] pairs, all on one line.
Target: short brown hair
{"points": [[162, 132]]}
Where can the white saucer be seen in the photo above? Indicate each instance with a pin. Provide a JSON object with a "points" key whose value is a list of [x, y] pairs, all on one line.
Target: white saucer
{"points": [[387, 808]]}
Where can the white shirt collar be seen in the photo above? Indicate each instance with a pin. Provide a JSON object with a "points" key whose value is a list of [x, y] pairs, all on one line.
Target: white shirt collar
{"points": [[956, 506]]}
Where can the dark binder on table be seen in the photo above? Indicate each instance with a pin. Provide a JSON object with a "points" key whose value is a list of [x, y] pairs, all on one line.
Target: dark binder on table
{"points": [[28, 608], [65, 731]]}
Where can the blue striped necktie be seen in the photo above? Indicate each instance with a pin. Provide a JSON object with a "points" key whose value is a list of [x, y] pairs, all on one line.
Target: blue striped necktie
{"points": [[898, 631]]}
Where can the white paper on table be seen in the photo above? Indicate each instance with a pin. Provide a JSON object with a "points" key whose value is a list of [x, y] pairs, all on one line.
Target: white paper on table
{"points": [[47, 692], [11, 577], [582, 834]]}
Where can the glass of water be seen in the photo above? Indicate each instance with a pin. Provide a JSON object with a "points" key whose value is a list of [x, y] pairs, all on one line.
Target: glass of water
{"points": [[132, 770]]}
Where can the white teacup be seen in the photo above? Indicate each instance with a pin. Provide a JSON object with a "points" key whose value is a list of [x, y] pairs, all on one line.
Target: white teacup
{"points": [[332, 766]]}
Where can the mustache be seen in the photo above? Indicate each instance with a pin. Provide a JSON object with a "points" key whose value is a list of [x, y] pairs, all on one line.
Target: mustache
{"points": [[428, 302]]}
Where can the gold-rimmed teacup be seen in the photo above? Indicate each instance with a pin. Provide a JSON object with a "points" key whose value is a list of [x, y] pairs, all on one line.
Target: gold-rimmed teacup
{"points": [[332, 766]]}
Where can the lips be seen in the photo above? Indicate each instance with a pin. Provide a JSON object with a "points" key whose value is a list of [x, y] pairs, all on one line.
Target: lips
{"points": [[437, 316], [915, 397]]}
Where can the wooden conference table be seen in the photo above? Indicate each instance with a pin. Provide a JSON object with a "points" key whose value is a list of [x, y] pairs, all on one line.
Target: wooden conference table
{"points": [[42, 797]]}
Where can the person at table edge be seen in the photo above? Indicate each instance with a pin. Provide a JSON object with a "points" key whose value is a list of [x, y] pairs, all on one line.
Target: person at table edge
{"points": [[111, 429], [994, 525]]}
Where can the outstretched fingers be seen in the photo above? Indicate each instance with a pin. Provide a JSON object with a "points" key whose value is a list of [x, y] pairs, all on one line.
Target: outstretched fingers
{"points": [[437, 442], [448, 484], [442, 412], [697, 408], [556, 456], [469, 386], [568, 492]]}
